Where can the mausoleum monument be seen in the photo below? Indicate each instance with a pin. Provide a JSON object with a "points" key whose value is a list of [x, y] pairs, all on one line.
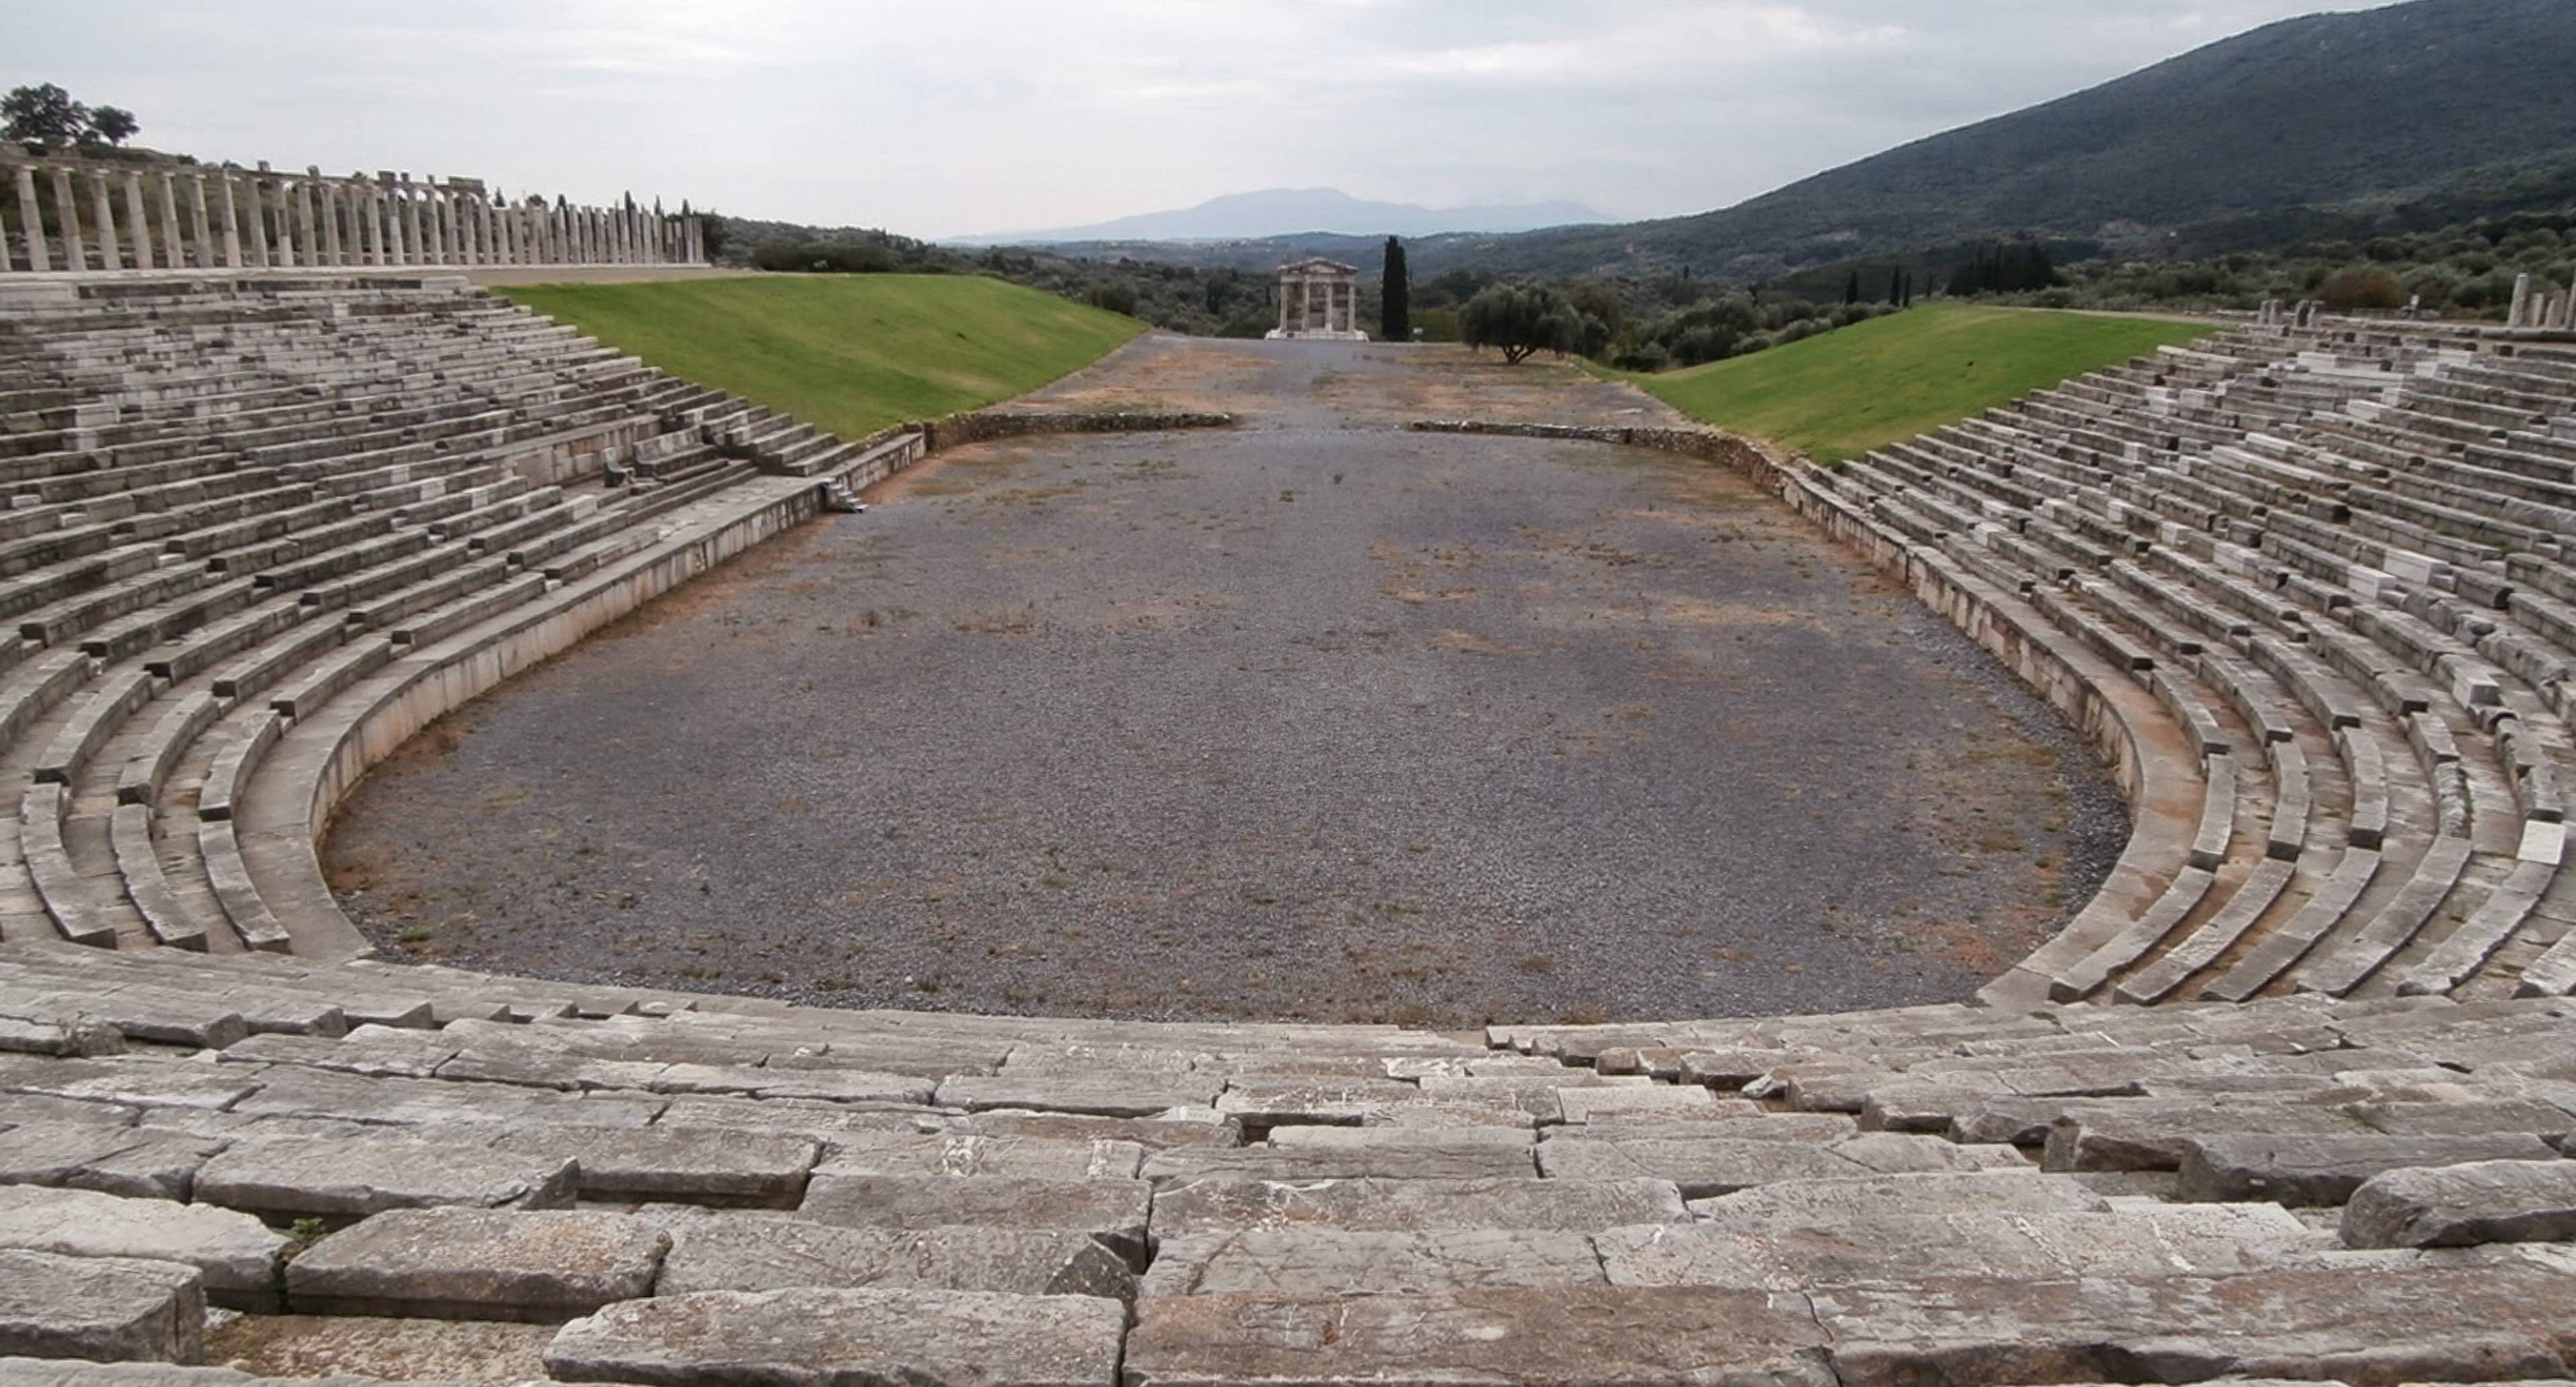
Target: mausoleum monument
{"points": [[1318, 299]]}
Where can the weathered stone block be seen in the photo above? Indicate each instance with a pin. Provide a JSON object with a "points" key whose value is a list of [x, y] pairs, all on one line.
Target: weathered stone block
{"points": [[1562, 1336], [452, 1263], [1208, 1206], [2463, 1205], [763, 1252], [301, 1177], [1114, 1211], [2326, 1170], [695, 1164], [1334, 1261], [109, 1309], [835, 1338], [235, 1254]]}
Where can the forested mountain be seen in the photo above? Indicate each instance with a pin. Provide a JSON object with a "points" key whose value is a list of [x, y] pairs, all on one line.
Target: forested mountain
{"points": [[2456, 107]]}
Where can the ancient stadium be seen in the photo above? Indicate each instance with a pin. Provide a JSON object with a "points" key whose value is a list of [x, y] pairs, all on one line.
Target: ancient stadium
{"points": [[1281, 863]]}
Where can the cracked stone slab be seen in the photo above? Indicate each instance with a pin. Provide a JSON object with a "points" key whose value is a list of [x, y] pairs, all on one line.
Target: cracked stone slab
{"points": [[1141, 1095], [1563, 1336], [843, 1338], [321, 1177], [1043, 1158], [1350, 1153], [478, 1264], [297, 1091], [108, 1309], [2303, 1171], [1756, 1250], [723, 1251], [2395, 1323], [2464, 1205], [1397, 1206], [1721, 1165], [695, 1164], [1335, 1261], [235, 1254], [140, 1162], [145, 1080], [1115, 1211]]}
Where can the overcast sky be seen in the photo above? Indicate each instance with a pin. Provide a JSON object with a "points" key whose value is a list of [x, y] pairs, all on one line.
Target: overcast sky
{"points": [[941, 117]]}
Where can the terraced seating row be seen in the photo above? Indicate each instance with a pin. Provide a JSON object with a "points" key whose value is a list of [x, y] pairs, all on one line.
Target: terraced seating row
{"points": [[683, 1189], [239, 501], [2376, 688]]}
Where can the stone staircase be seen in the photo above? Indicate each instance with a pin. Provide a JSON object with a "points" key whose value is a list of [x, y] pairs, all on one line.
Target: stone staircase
{"points": [[2306, 588]]}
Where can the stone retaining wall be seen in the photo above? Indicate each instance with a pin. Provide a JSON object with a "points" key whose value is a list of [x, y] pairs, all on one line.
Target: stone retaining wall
{"points": [[981, 425]]}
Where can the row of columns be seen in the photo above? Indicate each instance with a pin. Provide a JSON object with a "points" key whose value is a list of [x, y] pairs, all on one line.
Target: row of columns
{"points": [[258, 220], [2545, 309]]}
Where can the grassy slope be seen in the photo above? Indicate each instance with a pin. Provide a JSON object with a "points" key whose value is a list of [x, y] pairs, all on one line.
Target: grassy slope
{"points": [[1846, 392], [851, 353]]}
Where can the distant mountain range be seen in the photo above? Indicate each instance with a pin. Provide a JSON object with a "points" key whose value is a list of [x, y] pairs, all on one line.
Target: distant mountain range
{"points": [[2327, 124], [1290, 211]]}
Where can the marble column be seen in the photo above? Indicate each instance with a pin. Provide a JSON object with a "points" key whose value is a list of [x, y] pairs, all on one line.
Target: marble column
{"points": [[442, 242], [138, 225], [199, 223], [103, 222], [328, 195], [306, 234], [403, 246], [258, 221], [284, 256], [174, 254], [8, 258], [31, 226], [2521, 301], [67, 212]]}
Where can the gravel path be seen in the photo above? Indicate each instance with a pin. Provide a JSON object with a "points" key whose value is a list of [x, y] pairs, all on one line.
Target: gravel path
{"points": [[1309, 719]]}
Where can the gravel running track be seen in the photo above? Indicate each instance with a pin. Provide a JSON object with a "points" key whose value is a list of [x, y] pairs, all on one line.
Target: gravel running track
{"points": [[1313, 718]]}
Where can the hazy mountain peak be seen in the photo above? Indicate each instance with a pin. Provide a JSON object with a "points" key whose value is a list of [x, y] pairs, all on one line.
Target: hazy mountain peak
{"points": [[1288, 211]]}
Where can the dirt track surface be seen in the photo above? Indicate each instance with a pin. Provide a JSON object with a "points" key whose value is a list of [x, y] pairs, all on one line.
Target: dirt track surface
{"points": [[1313, 718]]}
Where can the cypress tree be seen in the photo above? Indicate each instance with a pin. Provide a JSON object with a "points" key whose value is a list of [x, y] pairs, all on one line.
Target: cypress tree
{"points": [[1851, 288], [1395, 297]]}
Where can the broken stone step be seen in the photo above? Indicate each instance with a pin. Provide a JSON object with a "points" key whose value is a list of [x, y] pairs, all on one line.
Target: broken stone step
{"points": [[1366, 1205], [235, 1255], [2464, 1205], [816, 1338], [320, 1177], [478, 1264], [108, 1309], [1114, 1211], [2325, 1170], [731, 1251]]}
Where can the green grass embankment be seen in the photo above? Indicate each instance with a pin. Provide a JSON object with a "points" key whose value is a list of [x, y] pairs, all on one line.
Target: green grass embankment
{"points": [[1841, 394], [849, 353]]}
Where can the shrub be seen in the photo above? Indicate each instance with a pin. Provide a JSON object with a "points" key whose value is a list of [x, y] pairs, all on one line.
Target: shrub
{"points": [[2361, 286]]}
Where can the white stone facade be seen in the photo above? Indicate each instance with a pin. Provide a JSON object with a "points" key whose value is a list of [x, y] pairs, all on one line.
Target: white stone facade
{"points": [[1319, 299]]}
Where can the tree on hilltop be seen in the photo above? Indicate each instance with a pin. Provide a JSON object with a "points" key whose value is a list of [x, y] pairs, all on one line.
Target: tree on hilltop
{"points": [[1521, 319], [43, 114], [1395, 297], [114, 124]]}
